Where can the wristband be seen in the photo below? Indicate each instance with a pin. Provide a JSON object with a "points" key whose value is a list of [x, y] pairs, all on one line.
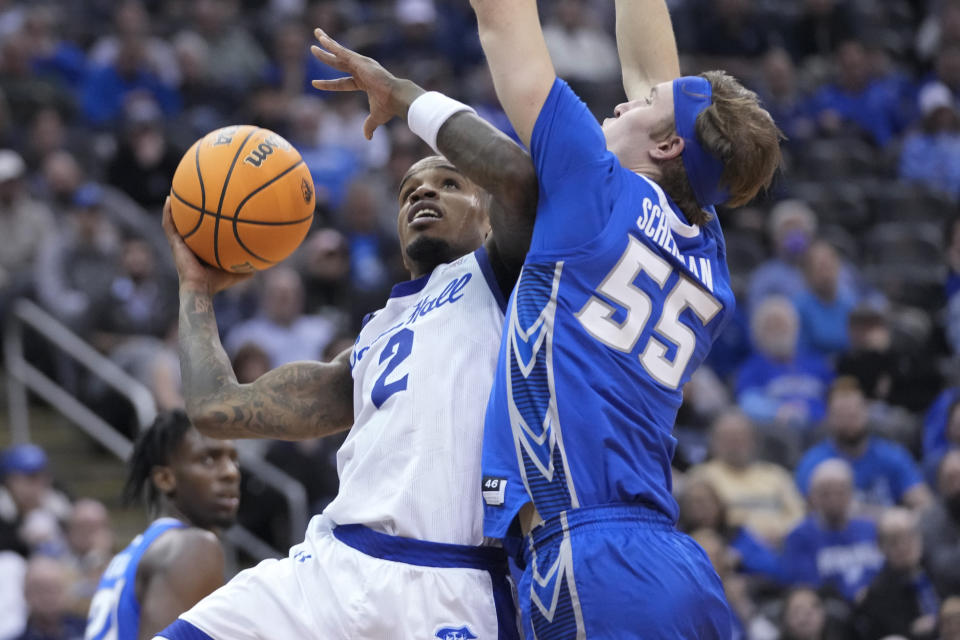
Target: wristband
{"points": [[429, 112]]}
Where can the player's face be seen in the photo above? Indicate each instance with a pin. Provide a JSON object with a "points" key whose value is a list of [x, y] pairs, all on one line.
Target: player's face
{"points": [[207, 476], [632, 130], [442, 215]]}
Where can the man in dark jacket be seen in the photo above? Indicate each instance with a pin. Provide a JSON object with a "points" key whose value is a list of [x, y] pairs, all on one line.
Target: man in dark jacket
{"points": [[901, 599]]}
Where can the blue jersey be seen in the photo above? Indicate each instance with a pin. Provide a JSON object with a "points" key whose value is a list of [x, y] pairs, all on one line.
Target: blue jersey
{"points": [[114, 611], [617, 304], [846, 559], [881, 476]]}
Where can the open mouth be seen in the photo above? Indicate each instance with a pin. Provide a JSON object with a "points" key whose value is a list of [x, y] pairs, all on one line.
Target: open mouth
{"points": [[423, 211]]}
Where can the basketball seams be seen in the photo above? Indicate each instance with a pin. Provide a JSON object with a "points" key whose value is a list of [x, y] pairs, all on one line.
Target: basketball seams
{"points": [[236, 215], [223, 193], [265, 223]]}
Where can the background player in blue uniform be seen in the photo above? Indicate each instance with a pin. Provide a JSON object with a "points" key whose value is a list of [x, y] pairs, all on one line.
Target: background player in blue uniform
{"points": [[622, 293], [191, 484]]}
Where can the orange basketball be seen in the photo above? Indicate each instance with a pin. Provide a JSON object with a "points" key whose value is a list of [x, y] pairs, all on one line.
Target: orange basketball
{"points": [[242, 198]]}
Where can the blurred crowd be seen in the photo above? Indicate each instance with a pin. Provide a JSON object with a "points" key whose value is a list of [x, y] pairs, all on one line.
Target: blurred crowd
{"points": [[818, 450]]}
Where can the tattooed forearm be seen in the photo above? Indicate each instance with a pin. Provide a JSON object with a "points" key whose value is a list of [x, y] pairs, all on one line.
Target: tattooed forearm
{"points": [[297, 401], [497, 164]]}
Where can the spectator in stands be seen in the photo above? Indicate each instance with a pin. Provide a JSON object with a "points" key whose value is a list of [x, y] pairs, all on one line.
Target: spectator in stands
{"points": [[52, 56], [31, 510], [145, 160], [947, 67], [941, 528], [47, 133], [234, 60], [281, 328], [333, 167], [792, 227], [777, 384], [823, 307], [820, 28], [782, 97], [758, 495], [830, 548], [141, 299], [856, 102], [949, 623], [582, 51], [293, 67], [88, 550], [205, 105], [372, 249], [26, 90], [79, 261], [931, 154], [250, 362], [131, 22], [887, 373], [884, 472], [325, 266], [804, 617], [701, 508], [24, 223], [108, 88], [901, 599], [731, 30], [46, 589]]}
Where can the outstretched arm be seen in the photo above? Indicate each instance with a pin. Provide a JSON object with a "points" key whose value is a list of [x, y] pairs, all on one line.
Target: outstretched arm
{"points": [[647, 47], [483, 154], [519, 61], [297, 401]]}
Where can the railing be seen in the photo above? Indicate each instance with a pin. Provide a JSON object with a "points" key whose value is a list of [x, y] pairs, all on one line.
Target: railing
{"points": [[22, 375]]}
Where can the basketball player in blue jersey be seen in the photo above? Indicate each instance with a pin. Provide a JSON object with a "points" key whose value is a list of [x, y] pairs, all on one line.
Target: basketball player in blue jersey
{"points": [[622, 293], [191, 484]]}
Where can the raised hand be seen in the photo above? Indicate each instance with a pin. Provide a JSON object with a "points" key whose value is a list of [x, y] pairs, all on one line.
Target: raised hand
{"points": [[190, 269], [388, 95]]}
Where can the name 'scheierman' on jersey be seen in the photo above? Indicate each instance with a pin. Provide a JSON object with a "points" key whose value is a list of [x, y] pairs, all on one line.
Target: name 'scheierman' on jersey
{"points": [[654, 223]]}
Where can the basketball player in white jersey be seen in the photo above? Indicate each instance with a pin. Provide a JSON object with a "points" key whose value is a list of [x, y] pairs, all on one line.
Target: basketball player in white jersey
{"points": [[397, 554]]}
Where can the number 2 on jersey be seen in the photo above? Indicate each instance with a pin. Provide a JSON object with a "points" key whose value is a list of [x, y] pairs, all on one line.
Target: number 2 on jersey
{"points": [[596, 316], [397, 349]]}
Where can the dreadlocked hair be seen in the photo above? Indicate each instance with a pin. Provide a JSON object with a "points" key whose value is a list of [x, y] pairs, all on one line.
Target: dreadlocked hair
{"points": [[154, 447]]}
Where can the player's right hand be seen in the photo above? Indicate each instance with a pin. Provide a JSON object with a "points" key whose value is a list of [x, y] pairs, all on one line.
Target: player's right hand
{"points": [[388, 95], [191, 271]]}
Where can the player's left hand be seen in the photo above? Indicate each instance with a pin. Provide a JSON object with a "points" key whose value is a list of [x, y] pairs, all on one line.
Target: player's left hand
{"points": [[388, 95]]}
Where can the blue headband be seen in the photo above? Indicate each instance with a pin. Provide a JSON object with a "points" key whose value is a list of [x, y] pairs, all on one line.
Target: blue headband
{"points": [[691, 95]]}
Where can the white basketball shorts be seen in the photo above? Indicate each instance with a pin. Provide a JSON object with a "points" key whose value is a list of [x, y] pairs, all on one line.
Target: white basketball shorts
{"points": [[352, 583]]}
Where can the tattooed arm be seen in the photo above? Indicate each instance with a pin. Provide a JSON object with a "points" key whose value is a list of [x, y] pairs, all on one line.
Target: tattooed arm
{"points": [[297, 401], [494, 162], [477, 149]]}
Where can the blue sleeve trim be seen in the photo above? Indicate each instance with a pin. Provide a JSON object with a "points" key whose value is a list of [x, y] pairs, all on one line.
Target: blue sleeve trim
{"points": [[409, 287], [483, 259], [420, 552], [182, 630]]}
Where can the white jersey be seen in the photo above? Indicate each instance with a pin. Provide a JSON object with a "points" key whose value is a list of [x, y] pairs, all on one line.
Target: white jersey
{"points": [[423, 367]]}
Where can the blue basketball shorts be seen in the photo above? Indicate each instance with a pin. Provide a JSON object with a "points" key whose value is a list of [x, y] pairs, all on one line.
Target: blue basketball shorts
{"points": [[617, 572]]}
